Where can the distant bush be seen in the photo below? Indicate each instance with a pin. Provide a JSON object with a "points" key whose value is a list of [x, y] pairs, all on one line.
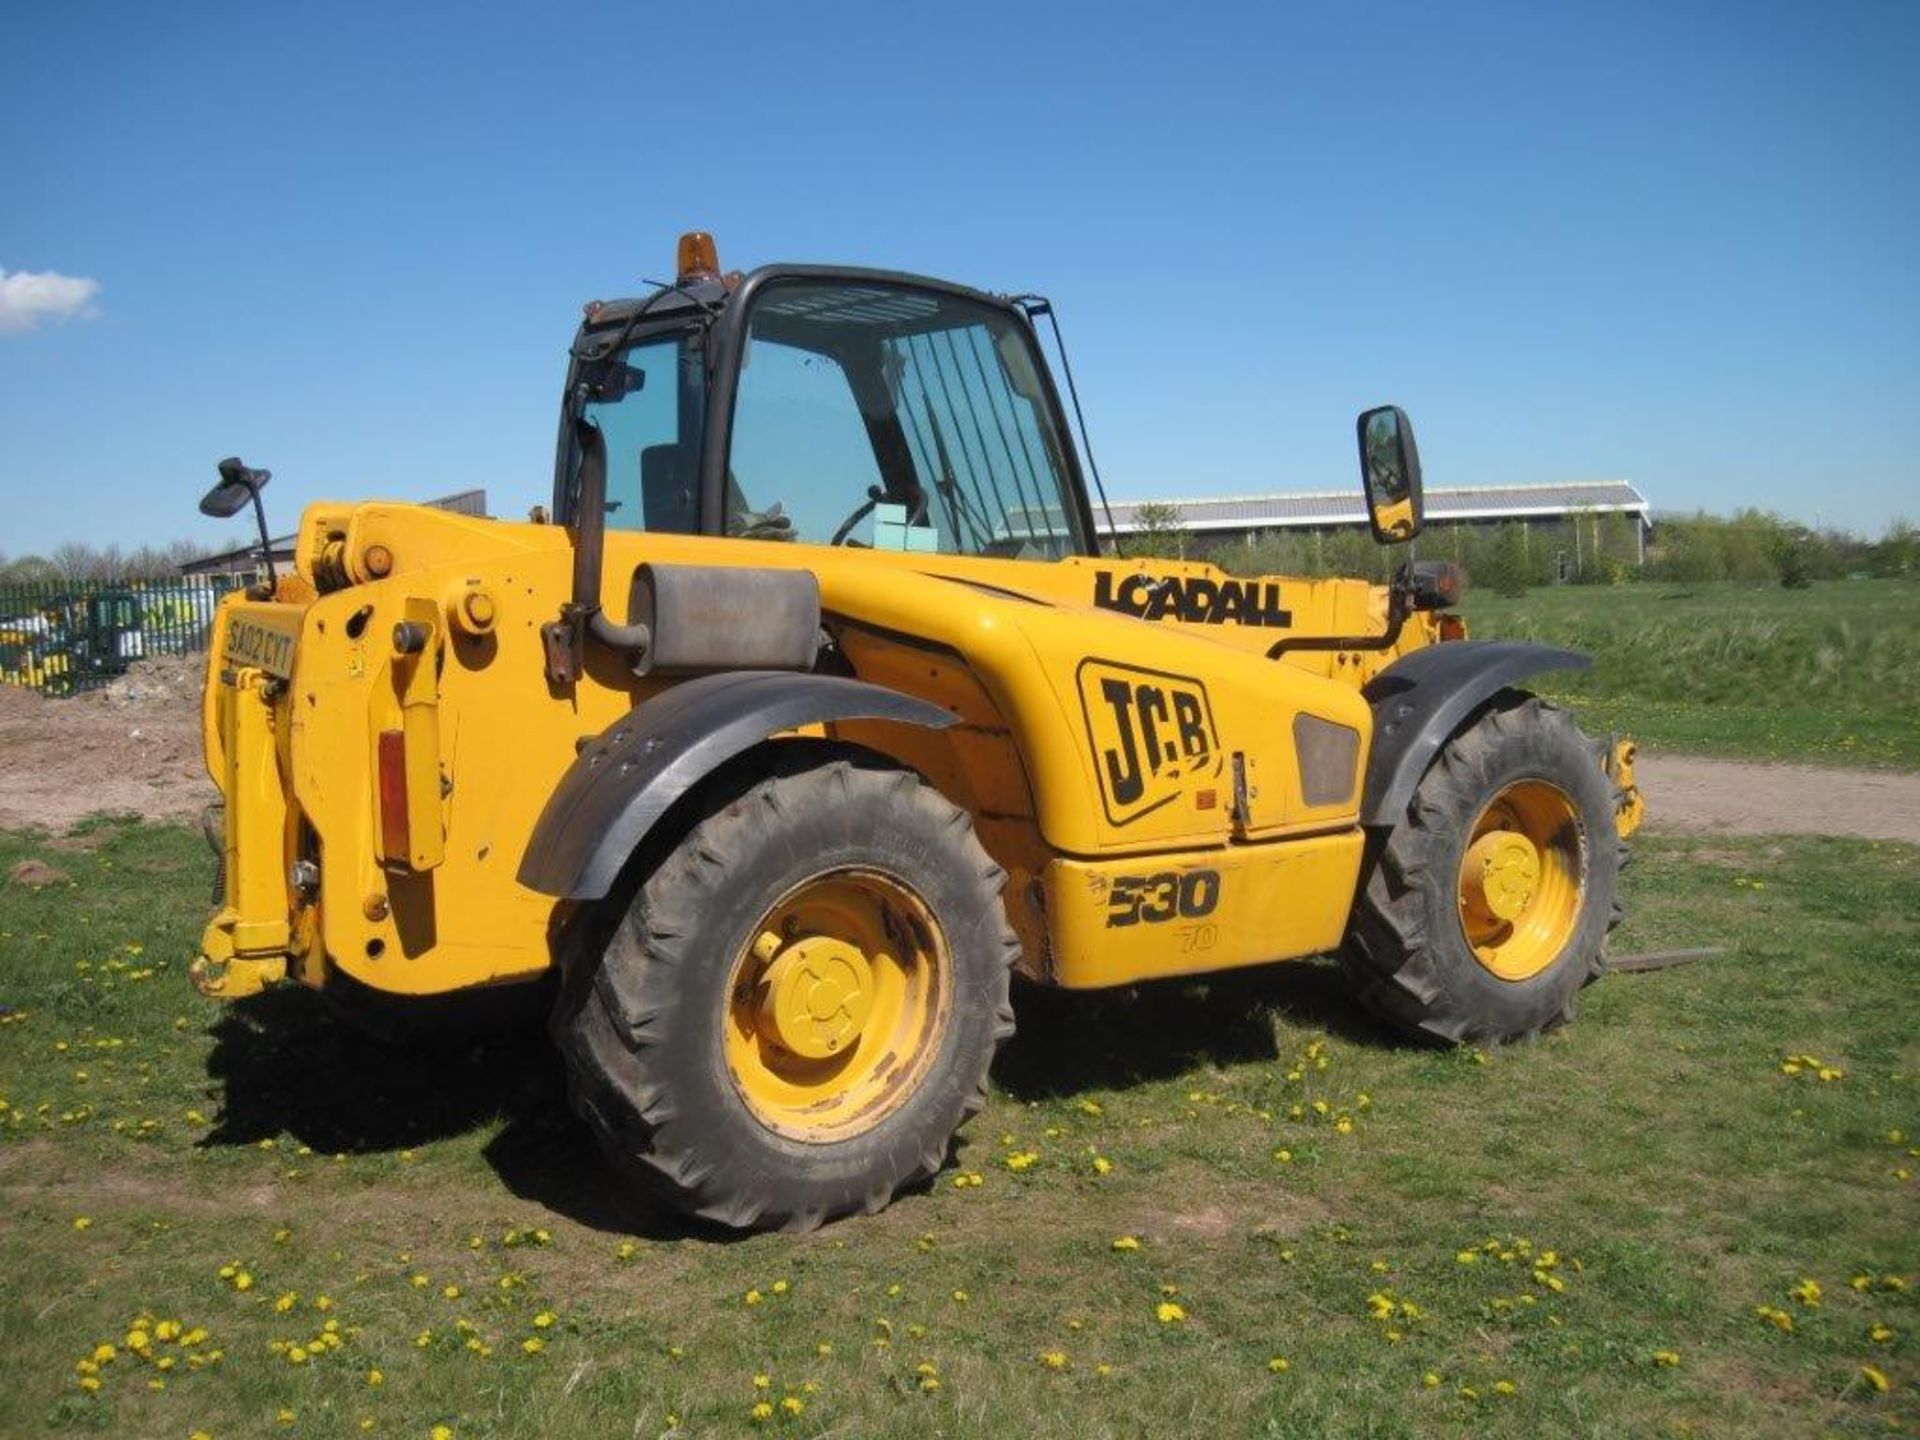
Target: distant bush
{"points": [[1750, 546]]}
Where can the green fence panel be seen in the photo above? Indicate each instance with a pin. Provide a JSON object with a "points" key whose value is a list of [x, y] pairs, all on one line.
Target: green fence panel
{"points": [[64, 638]]}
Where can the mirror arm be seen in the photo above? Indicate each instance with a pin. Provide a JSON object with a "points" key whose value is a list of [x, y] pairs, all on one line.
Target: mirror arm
{"points": [[266, 541]]}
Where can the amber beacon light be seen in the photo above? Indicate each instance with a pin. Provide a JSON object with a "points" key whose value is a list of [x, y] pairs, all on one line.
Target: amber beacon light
{"points": [[698, 258]]}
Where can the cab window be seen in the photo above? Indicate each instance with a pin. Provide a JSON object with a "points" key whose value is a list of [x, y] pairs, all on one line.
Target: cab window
{"points": [[899, 419]]}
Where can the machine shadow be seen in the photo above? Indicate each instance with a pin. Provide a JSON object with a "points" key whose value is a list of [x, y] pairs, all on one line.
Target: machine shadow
{"points": [[1068, 1043], [288, 1065]]}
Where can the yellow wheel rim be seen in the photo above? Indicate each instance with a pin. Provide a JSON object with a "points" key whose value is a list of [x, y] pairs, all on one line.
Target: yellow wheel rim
{"points": [[1522, 878], [837, 1005]]}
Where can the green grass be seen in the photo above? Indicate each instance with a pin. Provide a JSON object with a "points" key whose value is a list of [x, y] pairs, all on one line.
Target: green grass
{"points": [[1679, 1177], [1829, 674]]}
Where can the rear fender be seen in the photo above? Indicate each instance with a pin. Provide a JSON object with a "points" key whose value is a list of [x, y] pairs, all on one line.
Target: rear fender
{"points": [[625, 779], [1422, 699]]}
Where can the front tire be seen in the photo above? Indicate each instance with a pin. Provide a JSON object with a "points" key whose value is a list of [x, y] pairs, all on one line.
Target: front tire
{"points": [[1485, 910], [799, 1006]]}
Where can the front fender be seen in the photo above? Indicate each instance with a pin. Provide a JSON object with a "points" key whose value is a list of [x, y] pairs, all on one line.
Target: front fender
{"points": [[625, 779], [1422, 699]]}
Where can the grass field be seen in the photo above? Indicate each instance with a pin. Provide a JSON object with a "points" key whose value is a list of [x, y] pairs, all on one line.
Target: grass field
{"points": [[277, 1228], [1829, 674]]}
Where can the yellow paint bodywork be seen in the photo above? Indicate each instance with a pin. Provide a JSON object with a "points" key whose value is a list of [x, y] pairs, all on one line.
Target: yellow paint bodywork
{"points": [[1047, 687]]}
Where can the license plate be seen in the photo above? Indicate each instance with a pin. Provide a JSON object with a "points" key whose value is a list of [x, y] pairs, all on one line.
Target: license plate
{"points": [[265, 642]]}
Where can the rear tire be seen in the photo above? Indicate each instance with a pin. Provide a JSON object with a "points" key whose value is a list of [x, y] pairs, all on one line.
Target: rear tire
{"points": [[799, 1005], [1466, 934]]}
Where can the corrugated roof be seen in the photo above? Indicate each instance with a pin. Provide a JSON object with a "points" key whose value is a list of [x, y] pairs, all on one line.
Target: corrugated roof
{"points": [[1345, 507]]}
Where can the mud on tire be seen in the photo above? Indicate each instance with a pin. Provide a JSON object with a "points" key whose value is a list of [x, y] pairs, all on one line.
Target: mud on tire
{"points": [[1408, 948], [642, 1017]]}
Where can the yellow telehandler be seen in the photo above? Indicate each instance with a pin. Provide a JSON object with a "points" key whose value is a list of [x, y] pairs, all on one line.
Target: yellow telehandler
{"points": [[815, 709]]}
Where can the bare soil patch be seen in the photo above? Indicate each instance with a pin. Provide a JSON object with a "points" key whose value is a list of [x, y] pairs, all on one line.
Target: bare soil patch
{"points": [[131, 748]]}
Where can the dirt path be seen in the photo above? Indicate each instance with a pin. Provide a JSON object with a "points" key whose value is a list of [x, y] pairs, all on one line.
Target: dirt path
{"points": [[1685, 792], [136, 747]]}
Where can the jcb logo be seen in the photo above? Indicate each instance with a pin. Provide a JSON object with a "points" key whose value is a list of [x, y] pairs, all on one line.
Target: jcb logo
{"points": [[1152, 735]]}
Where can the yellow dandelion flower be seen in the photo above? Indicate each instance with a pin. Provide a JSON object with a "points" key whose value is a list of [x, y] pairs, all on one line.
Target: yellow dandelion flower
{"points": [[763, 1382], [1505, 1387], [780, 1287], [1807, 1292], [960, 1297], [450, 1292], [762, 1411], [1874, 1377], [533, 1345], [1102, 1165], [1169, 1313], [1279, 1365], [375, 1378], [1881, 1334], [286, 1302], [753, 1297], [441, 1432], [82, 1222], [1666, 1359], [1126, 1242], [1054, 1359], [1430, 1380]]}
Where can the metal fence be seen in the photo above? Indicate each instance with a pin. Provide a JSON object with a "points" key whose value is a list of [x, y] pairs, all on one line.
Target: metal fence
{"points": [[61, 639]]}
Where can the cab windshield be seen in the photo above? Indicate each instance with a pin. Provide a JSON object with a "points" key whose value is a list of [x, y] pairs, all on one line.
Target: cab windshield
{"points": [[866, 415], [900, 419]]}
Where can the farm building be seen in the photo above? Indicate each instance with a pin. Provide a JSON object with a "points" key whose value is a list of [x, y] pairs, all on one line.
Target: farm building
{"points": [[1567, 517]]}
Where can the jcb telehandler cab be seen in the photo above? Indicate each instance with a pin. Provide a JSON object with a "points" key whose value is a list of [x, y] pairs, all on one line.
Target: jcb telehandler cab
{"points": [[816, 710]]}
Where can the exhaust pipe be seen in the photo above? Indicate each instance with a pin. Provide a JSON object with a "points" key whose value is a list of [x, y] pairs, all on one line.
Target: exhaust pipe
{"points": [[565, 639]]}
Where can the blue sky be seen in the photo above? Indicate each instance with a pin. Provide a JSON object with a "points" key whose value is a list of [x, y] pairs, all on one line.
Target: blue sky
{"points": [[1676, 242]]}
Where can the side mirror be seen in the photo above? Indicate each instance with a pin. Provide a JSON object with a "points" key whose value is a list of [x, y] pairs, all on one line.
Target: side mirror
{"points": [[1390, 473], [238, 485]]}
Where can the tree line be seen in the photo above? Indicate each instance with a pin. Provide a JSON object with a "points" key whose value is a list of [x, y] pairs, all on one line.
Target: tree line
{"points": [[1751, 545], [77, 561]]}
